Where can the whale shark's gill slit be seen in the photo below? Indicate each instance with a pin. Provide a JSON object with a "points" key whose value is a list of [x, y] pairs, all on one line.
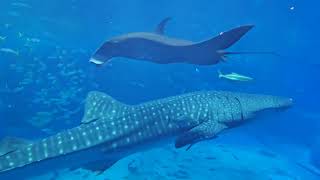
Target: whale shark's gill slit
{"points": [[220, 98], [225, 104], [89, 122], [229, 103], [241, 109]]}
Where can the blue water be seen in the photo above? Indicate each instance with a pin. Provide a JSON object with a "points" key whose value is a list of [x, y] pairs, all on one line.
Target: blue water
{"points": [[42, 88]]}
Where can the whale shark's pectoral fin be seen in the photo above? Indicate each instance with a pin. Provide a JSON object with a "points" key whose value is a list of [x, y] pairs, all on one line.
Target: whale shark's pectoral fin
{"points": [[98, 166], [206, 130], [161, 26]]}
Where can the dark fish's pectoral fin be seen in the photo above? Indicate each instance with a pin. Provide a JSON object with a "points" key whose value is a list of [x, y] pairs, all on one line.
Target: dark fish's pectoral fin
{"points": [[225, 53], [225, 39], [98, 166], [161, 26], [99, 105], [206, 130]]}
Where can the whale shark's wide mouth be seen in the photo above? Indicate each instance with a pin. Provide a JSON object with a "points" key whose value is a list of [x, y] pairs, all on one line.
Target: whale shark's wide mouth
{"points": [[289, 102], [285, 103]]}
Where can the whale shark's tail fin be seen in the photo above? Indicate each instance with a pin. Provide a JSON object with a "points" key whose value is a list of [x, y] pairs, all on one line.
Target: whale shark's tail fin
{"points": [[315, 154], [101, 106]]}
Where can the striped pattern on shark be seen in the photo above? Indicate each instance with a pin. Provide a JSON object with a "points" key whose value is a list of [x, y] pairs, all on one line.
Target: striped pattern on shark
{"points": [[109, 126]]}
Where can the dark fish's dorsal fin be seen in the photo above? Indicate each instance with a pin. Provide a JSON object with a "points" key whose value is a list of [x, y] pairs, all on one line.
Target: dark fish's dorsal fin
{"points": [[225, 39], [161, 26], [10, 144], [102, 106]]}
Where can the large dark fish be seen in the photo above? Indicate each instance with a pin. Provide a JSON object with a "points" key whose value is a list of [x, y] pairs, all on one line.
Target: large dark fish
{"points": [[111, 130], [158, 48]]}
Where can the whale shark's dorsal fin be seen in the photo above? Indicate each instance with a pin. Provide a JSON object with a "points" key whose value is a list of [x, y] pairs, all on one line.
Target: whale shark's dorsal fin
{"points": [[102, 106], [161, 26]]}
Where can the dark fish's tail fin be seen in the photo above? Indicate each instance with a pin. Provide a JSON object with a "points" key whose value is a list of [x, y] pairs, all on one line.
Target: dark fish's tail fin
{"points": [[315, 154], [226, 39], [101, 106]]}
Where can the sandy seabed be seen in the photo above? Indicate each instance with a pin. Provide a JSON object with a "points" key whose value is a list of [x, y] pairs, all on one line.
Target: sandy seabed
{"points": [[205, 161]]}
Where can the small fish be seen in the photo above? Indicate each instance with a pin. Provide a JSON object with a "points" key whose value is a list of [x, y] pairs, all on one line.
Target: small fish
{"points": [[10, 51], [20, 34], [7, 25], [211, 158], [2, 38], [18, 89], [19, 4], [33, 40], [137, 84], [234, 76], [14, 14]]}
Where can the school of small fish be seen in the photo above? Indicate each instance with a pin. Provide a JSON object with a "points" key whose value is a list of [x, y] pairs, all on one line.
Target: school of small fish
{"points": [[36, 75], [27, 73]]}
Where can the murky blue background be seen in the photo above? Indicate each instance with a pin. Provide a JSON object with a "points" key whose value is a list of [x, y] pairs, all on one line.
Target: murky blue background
{"points": [[43, 88]]}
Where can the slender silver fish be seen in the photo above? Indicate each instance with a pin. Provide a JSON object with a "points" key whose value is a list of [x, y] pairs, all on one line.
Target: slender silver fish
{"points": [[234, 76]]}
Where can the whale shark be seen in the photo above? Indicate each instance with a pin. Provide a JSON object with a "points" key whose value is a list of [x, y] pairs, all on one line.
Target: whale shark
{"points": [[156, 47], [111, 130]]}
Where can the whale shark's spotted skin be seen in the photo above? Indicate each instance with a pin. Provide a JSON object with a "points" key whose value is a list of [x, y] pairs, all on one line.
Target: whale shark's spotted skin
{"points": [[111, 126]]}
